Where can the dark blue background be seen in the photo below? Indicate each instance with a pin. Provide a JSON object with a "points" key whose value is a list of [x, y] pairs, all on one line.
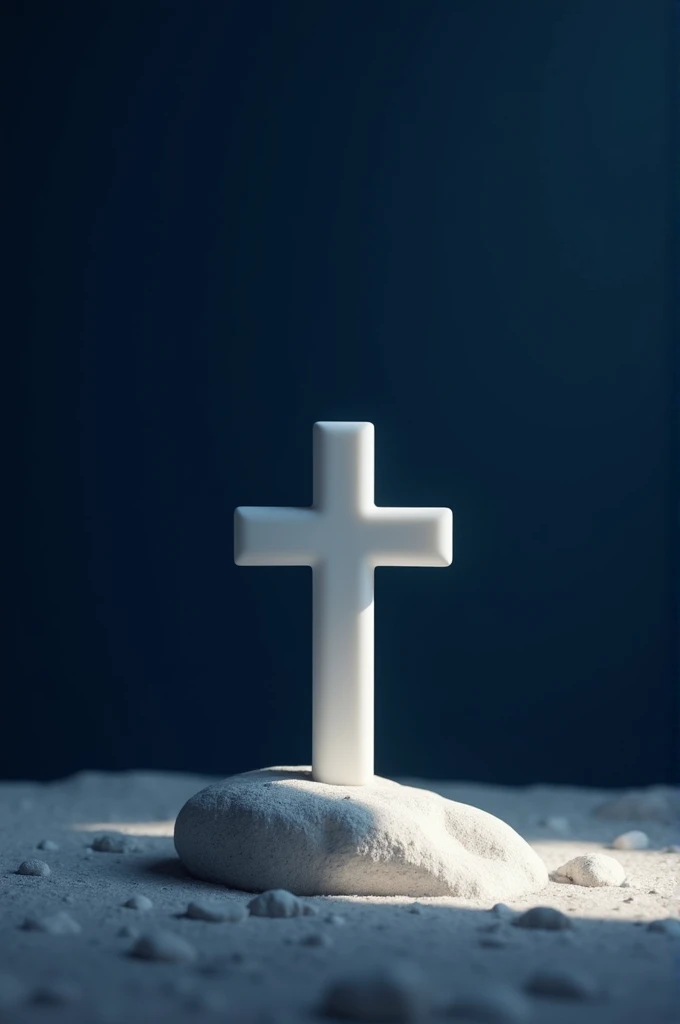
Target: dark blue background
{"points": [[227, 220]]}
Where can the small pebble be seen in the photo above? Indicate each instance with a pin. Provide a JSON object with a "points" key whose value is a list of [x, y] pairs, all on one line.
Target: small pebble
{"points": [[68, 898], [48, 844], [592, 869], [114, 842], [335, 919], [12, 991], [34, 867], [163, 946], [139, 903], [415, 908], [501, 910], [57, 993], [216, 910], [128, 931], [562, 984], [556, 823], [547, 918], [60, 923], [665, 926], [317, 939], [493, 1004], [276, 903], [395, 993], [634, 840], [673, 848]]}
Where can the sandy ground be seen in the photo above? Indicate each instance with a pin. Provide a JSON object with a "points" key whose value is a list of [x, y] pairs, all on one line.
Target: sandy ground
{"points": [[261, 970]]}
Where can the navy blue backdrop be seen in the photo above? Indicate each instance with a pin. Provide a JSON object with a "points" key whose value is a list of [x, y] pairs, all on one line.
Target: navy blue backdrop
{"points": [[228, 220]]}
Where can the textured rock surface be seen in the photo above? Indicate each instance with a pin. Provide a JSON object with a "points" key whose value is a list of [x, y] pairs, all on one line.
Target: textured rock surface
{"points": [[278, 829], [591, 869]]}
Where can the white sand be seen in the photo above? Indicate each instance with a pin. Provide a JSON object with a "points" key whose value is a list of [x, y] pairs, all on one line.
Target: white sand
{"points": [[264, 970]]}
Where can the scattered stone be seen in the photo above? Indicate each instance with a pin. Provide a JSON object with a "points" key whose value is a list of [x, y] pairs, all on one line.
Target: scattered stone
{"points": [[547, 918], [68, 898], [317, 939], [592, 869], [48, 844], [556, 823], [395, 993], [276, 903], [654, 804], [627, 884], [629, 899], [389, 838], [138, 902], [217, 910], [335, 919], [673, 848], [114, 842], [634, 840], [665, 926], [502, 910], [57, 993], [128, 931], [653, 892], [33, 866], [415, 908], [493, 1004], [12, 991], [562, 984], [163, 946], [60, 923]]}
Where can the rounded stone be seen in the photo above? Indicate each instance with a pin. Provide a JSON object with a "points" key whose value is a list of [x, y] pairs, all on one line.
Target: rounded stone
{"points": [[395, 993], [279, 829], [634, 840], [592, 869], [545, 918], [33, 866]]}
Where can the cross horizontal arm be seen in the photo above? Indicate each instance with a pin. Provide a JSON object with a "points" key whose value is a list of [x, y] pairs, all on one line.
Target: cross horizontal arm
{"points": [[410, 536], [275, 536]]}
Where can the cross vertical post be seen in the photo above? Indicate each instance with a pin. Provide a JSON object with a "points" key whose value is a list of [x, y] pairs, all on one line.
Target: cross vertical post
{"points": [[343, 537]]}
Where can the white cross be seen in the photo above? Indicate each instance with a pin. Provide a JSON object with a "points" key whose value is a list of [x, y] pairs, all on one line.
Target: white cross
{"points": [[343, 536]]}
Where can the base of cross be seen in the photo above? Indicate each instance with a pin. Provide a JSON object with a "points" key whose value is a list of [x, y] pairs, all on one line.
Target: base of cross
{"points": [[279, 829]]}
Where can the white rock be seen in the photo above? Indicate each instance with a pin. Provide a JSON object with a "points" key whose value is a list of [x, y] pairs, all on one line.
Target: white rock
{"points": [[48, 844], [60, 923], [492, 1004], [114, 842], [163, 946], [276, 903], [138, 902], [655, 804], [387, 840], [33, 866], [665, 926], [562, 983], [394, 993], [547, 918], [631, 841], [12, 991], [217, 910], [592, 869]]}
